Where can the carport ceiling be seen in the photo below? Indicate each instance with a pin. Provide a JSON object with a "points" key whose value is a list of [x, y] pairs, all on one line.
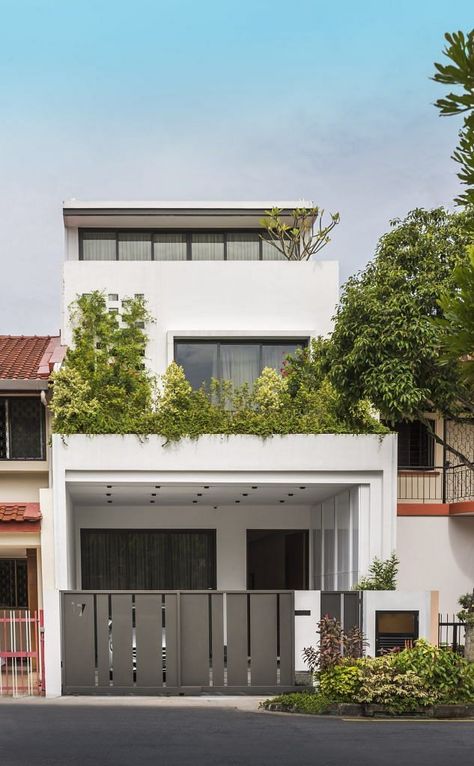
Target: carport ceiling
{"points": [[121, 494]]}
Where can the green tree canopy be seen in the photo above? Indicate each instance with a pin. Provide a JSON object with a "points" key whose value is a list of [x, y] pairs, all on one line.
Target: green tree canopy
{"points": [[459, 73], [386, 346]]}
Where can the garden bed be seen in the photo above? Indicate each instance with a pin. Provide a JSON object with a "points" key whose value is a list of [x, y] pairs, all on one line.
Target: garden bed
{"points": [[311, 704]]}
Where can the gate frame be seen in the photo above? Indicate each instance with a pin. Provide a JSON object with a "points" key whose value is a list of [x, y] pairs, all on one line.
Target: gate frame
{"points": [[179, 689]]}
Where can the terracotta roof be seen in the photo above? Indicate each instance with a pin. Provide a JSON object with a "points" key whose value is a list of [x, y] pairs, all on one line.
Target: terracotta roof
{"points": [[29, 357], [19, 512]]}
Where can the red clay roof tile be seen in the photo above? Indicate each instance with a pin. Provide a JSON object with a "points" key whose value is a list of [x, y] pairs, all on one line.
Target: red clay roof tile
{"points": [[29, 357], [19, 512]]}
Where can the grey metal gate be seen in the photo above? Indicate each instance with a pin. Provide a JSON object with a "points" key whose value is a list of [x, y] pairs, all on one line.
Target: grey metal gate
{"points": [[157, 642], [343, 605]]}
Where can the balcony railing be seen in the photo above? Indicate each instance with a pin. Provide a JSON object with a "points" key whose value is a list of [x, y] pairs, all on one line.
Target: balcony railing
{"points": [[452, 484]]}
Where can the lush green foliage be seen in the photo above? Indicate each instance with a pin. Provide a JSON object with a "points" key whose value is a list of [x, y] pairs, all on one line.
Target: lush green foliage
{"points": [[386, 348], [383, 683], [457, 325], [403, 682], [444, 673], [305, 236], [342, 682], [103, 387], [299, 702], [333, 644], [460, 73], [382, 575], [466, 601]]}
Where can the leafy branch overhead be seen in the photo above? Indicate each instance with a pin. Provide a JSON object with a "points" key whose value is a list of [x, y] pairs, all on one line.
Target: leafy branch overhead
{"points": [[298, 235], [459, 73]]}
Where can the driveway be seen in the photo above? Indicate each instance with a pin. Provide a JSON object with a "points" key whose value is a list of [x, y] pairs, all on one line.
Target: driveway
{"points": [[136, 733]]}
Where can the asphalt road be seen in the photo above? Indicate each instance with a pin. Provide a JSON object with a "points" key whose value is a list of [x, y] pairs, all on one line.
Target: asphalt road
{"points": [[136, 735]]}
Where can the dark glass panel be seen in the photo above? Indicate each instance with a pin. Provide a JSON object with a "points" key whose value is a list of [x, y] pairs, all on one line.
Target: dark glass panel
{"points": [[26, 426], [199, 361]]}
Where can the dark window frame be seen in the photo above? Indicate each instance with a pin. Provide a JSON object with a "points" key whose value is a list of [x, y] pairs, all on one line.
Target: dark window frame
{"points": [[6, 446], [418, 452], [187, 231], [302, 342], [16, 587]]}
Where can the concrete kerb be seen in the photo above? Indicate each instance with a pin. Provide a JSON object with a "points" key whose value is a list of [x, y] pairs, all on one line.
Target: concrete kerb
{"points": [[242, 703]]}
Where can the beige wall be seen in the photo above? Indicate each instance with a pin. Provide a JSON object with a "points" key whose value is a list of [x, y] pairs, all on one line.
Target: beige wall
{"points": [[436, 553], [20, 487]]}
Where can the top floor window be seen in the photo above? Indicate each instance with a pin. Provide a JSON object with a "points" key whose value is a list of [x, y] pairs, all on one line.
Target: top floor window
{"points": [[111, 245], [22, 428], [415, 445]]}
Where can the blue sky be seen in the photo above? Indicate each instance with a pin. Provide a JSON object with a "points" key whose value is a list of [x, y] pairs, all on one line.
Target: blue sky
{"points": [[204, 100]]}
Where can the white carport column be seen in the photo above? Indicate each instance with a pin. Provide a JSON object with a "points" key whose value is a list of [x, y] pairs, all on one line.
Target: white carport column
{"points": [[54, 550]]}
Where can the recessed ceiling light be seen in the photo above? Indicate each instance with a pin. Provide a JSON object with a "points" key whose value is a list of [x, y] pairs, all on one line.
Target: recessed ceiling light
{"points": [[215, 507], [302, 487], [109, 501], [158, 487], [153, 494], [194, 501], [108, 494], [152, 501], [290, 494], [282, 501], [199, 494], [254, 487], [109, 486], [245, 494], [237, 501], [207, 486]]}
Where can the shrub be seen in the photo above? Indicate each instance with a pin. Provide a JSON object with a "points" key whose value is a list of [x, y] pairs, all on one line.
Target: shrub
{"points": [[341, 683], [447, 675], [333, 645], [383, 683], [299, 702], [382, 575]]}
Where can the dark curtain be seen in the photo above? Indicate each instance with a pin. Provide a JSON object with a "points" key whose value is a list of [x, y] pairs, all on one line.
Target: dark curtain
{"points": [[148, 559]]}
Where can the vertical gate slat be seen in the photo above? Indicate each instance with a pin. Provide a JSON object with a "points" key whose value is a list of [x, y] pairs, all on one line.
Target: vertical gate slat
{"points": [[194, 621], [351, 611], [331, 605], [171, 637], [217, 623], [263, 639], [148, 622], [78, 639], [122, 659], [237, 657], [103, 647], [287, 650]]}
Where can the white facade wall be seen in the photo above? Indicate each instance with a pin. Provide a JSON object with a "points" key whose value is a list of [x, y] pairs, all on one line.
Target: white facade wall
{"points": [[424, 602], [437, 552], [212, 299]]}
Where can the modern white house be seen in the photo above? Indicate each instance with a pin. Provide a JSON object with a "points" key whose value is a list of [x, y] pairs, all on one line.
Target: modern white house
{"points": [[219, 553]]}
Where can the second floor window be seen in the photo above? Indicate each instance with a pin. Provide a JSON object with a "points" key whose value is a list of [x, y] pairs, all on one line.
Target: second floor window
{"points": [[22, 428], [237, 361], [415, 445]]}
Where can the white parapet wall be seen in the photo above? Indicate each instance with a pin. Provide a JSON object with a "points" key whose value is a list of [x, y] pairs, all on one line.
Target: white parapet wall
{"points": [[213, 299]]}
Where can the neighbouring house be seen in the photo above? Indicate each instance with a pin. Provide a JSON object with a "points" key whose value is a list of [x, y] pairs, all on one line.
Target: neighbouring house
{"points": [[26, 363], [215, 555], [435, 522]]}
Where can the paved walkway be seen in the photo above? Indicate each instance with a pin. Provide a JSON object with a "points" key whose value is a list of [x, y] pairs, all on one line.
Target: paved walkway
{"points": [[214, 732]]}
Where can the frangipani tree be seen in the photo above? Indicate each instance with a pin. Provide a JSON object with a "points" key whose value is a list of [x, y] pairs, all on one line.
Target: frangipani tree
{"points": [[301, 238]]}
